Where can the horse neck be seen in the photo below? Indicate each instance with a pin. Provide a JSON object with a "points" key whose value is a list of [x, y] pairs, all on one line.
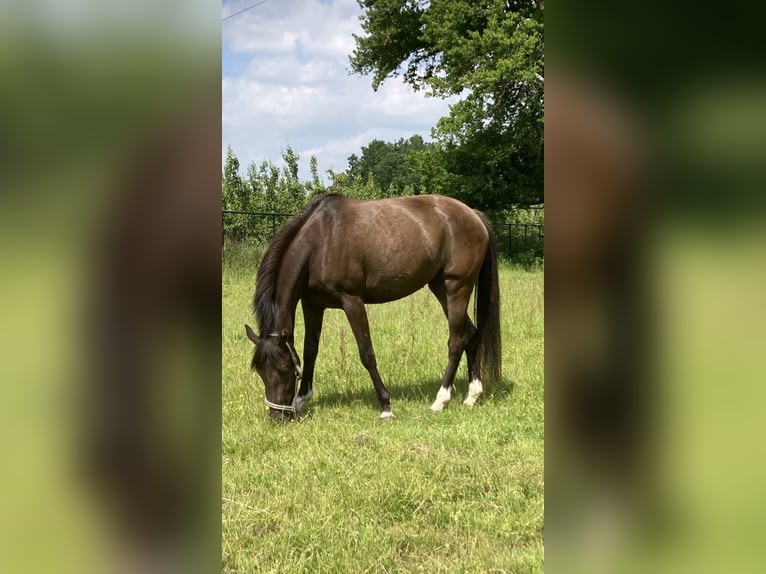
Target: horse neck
{"points": [[289, 287]]}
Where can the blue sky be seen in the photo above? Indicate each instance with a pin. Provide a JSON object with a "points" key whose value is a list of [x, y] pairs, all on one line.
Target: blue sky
{"points": [[286, 82]]}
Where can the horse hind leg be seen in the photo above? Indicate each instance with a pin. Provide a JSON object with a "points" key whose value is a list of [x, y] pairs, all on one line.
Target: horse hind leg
{"points": [[439, 290], [454, 299], [475, 388]]}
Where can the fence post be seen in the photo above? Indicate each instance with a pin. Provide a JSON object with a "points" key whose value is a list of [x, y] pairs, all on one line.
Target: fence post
{"points": [[273, 225], [510, 246]]}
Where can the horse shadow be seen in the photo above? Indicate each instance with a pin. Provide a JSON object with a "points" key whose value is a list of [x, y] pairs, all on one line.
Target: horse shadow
{"points": [[415, 391]]}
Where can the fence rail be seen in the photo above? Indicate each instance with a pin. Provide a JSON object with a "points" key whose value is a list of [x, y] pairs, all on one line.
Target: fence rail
{"points": [[517, 241], [520, 241]]}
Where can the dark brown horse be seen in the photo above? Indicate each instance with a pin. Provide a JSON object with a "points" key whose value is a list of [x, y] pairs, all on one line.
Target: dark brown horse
{"points": [[344, 253]]}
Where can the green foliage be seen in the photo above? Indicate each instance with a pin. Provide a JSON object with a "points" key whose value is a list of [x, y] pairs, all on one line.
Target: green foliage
{"points": [[520, 215], [490, 52], [520, 234], [267, 189], [416, 166], [234, 197], [389, 165], [316, 186], [343, 183], [430, 164]]}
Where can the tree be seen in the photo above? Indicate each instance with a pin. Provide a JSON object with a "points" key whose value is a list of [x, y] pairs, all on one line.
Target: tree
{"points": [[292, 193], [268, 189], [342, 183], [390, 165], [490, 52], [234, 197], [233, 192], [316, 187]]}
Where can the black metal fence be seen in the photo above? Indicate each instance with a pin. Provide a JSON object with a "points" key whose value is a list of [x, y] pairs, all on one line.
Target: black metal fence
{"points": [[517, 241], [523, 242]]}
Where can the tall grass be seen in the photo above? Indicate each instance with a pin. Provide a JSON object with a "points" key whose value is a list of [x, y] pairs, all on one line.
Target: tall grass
{"points": [[341, 491]]}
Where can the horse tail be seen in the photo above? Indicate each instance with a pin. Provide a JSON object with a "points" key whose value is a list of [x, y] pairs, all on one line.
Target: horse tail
{"points": [[487, 310]]}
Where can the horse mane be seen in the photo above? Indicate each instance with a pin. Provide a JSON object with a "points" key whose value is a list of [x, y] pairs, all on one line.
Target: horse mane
{"points": [[264, 303]]}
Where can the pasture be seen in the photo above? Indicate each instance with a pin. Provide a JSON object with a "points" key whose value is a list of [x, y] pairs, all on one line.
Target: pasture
{"points": [[342, 491]]}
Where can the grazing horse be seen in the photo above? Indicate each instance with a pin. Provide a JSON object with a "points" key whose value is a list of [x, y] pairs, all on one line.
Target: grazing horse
{"points": [[343, 253]]}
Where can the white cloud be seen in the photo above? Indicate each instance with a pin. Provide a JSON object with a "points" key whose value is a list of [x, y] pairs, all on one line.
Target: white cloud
{"points": [[292, 87], [323, 30]]}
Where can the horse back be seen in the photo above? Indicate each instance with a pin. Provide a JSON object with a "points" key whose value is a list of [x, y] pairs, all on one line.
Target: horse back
{"points": [[386, 249]]}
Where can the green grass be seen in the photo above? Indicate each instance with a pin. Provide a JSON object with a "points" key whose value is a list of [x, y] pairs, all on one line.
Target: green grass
{"points": [[342, 491]]}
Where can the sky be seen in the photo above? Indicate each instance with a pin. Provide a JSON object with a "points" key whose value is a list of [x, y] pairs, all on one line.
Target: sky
{"points": [[286, 82]]}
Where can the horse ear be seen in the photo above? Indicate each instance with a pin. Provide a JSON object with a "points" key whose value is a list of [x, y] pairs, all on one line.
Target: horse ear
{"points": [[251, 334]]}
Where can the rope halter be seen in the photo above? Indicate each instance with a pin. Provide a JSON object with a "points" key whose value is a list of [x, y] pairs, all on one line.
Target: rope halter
{"points": [[298, 375]]}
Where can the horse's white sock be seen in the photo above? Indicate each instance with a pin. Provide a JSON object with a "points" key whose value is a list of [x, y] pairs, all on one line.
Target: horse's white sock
{"points": [[475, 389], [442, 398]]}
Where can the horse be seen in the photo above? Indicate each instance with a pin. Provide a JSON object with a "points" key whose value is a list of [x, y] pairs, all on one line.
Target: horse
{"points": [[344, 253]]}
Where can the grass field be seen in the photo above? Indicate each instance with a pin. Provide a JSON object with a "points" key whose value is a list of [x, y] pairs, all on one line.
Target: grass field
{"points": [[341, 491]]}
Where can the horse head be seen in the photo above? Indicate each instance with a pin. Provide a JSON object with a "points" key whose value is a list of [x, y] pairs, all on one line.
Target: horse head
{"points": [[277, 363]]}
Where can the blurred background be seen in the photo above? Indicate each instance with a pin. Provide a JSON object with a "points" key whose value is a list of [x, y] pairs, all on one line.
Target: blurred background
{"points": [[110, 289], [654, 179]]}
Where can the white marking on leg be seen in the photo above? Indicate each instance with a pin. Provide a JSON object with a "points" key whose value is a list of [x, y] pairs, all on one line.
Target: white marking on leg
{"points": [[386, 415], [302, 401], [442, 398], [475, 389]]}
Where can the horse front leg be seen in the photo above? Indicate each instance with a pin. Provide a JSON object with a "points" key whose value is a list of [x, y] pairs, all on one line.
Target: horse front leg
{"points": [[357, 317], [312, 319]]}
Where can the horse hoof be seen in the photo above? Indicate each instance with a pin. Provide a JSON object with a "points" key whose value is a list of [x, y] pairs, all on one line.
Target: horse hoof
{"points": [[442, 398], [386, 416], [302, 402], [475, 389]]}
